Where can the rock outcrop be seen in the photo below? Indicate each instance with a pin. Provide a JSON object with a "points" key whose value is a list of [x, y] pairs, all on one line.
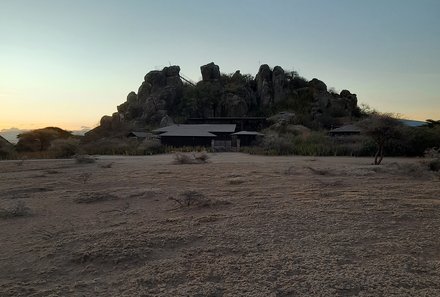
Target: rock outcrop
{"points": [[210, 72], [163, 97]]}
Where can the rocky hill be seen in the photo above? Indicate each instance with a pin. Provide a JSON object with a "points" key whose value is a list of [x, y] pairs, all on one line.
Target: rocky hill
{"points": [[164, 98]]}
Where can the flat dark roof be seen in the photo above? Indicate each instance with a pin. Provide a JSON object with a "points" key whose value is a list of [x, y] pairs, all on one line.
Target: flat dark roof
{"points": [[252, 133], [211, 128], [187, 133]]}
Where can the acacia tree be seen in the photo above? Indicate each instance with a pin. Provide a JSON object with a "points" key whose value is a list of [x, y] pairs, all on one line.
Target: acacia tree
{"points": [[381, 128], [40, 139]]}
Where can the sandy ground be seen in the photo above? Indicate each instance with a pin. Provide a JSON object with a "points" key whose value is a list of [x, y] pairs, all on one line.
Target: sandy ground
{"points": [[270, 226]]}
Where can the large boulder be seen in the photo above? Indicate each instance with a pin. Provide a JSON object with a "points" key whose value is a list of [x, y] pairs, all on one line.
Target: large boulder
{"points": [[132, 98], [210, 72], [322, 99], [156, 79], [166, 121], [350, 99], [152, 106], [172, 74], [284, 117], [171, 71], [279, 83], [106, 122], [318, 85], [264, 85], [144, 91], [233, 106]]}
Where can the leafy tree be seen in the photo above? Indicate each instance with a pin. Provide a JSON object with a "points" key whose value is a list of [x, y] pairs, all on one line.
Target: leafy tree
{"points": [[40, 139], [382, 128]]}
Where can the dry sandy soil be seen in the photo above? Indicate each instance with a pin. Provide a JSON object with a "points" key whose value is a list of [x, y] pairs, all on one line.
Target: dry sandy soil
{"points": [[268, 226]]}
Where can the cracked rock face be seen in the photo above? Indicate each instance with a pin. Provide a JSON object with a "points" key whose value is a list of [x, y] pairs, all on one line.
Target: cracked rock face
{"points": [[210, 72]]}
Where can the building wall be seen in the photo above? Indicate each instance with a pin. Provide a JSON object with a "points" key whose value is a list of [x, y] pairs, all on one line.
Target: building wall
{"points": [[179, 141]]}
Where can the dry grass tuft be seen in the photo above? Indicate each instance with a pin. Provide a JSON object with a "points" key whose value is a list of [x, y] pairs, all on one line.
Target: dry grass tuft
{"points": [[415, 170], [18, 210], [84, 159], [194, 198], [194, 158], [108, 165], [94, 197], [290, 171], [318, 171], [84, 177], [201, 157], [235, 181]]}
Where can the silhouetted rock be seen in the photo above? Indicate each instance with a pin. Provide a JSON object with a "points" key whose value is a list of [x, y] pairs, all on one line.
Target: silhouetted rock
{"points": [[210, 72], [318, 85], [264, 85], [144, 91], [171, 71], [106, 122], [233, 106], [345, 93], [163, 97], [156, 79], [166, 121], [279, 83], [282, 117]]}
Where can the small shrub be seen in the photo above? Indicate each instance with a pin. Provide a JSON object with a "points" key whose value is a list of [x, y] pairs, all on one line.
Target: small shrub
{"points": [[434, 153], [18, 210], [195, 158], [275, 144], [108, 165], [84, 177], [151, 147], [84, 159], [194, 198], [7, 152], [19, 162], [182, 159], [434, 165], [64, 148], [189, 198], [113, 146], [201, 157]]}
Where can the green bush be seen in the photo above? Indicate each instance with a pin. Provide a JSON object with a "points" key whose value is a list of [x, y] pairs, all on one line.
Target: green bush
{"points": [[64, 148], [312, 144], [274, 144], [434, 165], [151, 147], [112, 146], [7, 152]]}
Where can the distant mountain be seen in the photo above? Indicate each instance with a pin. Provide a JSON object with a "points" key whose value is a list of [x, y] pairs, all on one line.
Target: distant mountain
{"points": [[413, 123], [11, 134]]}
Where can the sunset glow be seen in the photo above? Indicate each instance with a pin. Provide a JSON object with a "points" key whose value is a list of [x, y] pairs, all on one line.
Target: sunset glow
{"points": [[69, 63]]}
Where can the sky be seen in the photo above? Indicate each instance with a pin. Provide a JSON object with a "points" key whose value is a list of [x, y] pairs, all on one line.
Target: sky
{"points": [[67, 63]]}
